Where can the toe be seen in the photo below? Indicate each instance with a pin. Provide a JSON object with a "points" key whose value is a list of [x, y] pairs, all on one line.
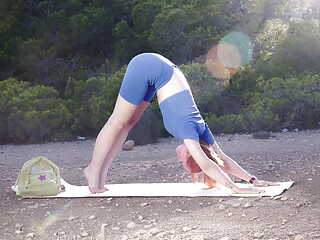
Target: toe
{"points": [[97, 190]]}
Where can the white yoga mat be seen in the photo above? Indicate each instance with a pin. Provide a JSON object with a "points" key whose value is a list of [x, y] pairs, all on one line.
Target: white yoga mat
{"points": [[164, 190]]}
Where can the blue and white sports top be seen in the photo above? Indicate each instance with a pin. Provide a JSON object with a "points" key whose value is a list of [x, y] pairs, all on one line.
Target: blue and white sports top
{"points": [[182, 118]]}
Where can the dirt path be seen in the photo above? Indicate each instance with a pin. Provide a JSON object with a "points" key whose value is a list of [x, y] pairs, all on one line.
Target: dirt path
{"points": [[287, 156]]}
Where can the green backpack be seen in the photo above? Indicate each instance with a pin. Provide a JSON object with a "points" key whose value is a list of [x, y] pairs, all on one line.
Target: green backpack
{"points": [[38, 177]]}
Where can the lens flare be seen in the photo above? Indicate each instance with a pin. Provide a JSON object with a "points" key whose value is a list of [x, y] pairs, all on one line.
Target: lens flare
{"points": [[50, 219], [233, 51]]}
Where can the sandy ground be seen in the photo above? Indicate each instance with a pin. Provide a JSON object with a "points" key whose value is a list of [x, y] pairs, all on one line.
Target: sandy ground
{"points": [[287, 156]]}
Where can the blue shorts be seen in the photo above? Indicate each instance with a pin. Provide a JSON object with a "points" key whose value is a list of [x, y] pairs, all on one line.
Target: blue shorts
{"points": [[146, 73]]}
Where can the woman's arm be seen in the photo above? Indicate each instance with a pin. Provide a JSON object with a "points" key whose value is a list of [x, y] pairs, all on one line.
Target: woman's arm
{"points": [[230, 166], [211, 169]]}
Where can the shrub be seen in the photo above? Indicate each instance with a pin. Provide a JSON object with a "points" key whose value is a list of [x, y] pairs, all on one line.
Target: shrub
{"points": [[92, 101], [298, 53], [204, 87], [228, 123], [31, 113], [280, 103], [295, 101]]}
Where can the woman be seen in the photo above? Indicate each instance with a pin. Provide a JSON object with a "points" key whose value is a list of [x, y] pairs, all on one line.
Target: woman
{"points": [[149, 74]]}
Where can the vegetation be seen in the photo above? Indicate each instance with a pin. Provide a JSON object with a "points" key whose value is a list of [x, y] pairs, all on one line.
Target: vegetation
{"points": [[62, 62]]}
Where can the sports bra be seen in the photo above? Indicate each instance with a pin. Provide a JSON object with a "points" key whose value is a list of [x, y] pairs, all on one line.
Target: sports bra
{"points": [[183, 120]]}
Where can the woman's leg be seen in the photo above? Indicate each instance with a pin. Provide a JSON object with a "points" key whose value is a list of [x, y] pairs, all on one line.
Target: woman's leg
{"points": [[109, 134], [117, 145]]}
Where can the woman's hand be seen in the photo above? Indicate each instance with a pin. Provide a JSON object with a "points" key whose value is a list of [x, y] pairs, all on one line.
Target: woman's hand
{"points": [[218, 159], [261, 183]]}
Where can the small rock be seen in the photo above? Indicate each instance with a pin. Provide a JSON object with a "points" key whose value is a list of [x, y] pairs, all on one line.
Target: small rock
{"points": [[131, 225], [186, 229], [247, 205], [84, 234], [177, 210], [236, 205], [71, 218], [92, 217], [170, 201], [229, 214], [284, 221], [154, 231], [116, 228], [19, 231], [221, 207], [128, 145], [162, 234], [144, 204], [284, 198], [258, 235], [285, 130], [299, 237], [225, 238], [140, 233], [30, 235]]}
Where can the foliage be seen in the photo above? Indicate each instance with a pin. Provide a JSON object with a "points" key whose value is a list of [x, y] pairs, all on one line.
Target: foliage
{"points": [[299, 52], [294, 101], [71, 54], [227, 123], [91, 101], [204, 87], [31, 114]]}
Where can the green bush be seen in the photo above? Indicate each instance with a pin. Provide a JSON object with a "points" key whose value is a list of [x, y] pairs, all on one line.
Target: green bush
{"points": [[295, 101], [280, 103], [31, 113], [243, 85], [298, 53], [259, 116], [204, 87], [228, 123], [92, 101], [102, 106]]}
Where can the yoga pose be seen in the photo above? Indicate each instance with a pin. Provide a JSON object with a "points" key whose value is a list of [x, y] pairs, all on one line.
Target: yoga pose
{"points": [[149, 74]]}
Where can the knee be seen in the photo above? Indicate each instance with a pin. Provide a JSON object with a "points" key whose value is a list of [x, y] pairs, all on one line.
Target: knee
{"points": [[120, 123], [132, 121]]}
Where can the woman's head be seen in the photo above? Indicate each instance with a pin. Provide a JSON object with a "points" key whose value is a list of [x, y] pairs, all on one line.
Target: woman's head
{"points": [[191, 165], [188, 161]]}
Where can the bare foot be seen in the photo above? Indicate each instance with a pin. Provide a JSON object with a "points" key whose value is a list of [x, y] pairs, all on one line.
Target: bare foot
{"points": [[93, 181]]}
